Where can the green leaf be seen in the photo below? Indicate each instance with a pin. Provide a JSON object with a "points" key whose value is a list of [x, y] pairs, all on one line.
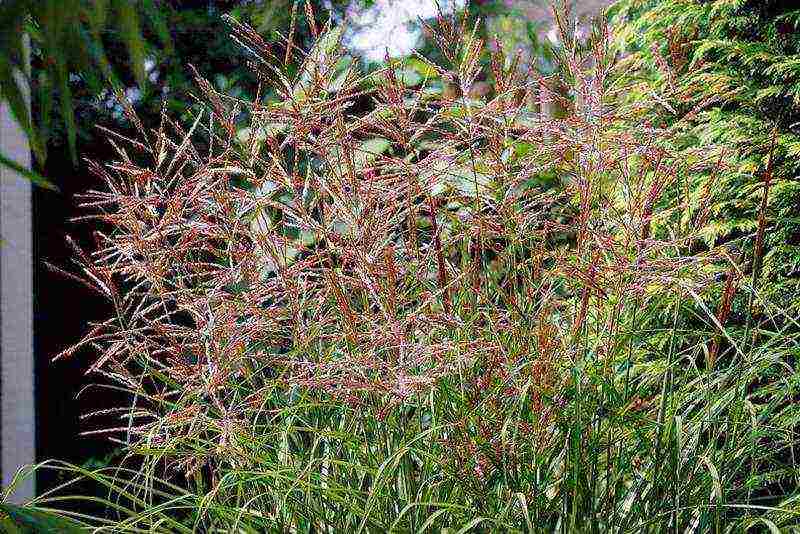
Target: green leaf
{"points": [[35, 178], [319, 61], [12, 93], [67, 111], [159, 25], [408, 77], [132, 35], [97, 15], [28, 520], [370, 149]]}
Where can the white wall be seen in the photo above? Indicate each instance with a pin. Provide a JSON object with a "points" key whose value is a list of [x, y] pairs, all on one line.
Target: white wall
{"points": [[17, 424]]}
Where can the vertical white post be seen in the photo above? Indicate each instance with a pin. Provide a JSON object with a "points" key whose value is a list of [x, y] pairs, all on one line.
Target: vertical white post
{"points": [[17, 424]]}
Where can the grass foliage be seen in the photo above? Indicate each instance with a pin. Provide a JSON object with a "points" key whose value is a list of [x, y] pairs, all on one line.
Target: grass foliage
{"points": [[380, 305]]}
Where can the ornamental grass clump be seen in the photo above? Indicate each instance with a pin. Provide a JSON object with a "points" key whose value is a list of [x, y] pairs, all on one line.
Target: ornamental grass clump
{"points": [[373, 303]]}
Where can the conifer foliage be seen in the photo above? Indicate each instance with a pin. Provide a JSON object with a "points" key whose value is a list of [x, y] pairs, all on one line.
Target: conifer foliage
{"points": [[732, 69]]}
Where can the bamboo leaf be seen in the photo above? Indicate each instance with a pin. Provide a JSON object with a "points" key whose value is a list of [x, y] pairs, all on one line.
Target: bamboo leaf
{"points": [[131, 33], [34, 177]]}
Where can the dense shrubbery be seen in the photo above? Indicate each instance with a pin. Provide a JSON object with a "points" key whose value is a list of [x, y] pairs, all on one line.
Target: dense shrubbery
{"points": [[730, 77], [384, 305]]}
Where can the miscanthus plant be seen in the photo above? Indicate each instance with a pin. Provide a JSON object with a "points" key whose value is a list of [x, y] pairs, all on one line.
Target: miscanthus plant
{"points": [[377, 304]]}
